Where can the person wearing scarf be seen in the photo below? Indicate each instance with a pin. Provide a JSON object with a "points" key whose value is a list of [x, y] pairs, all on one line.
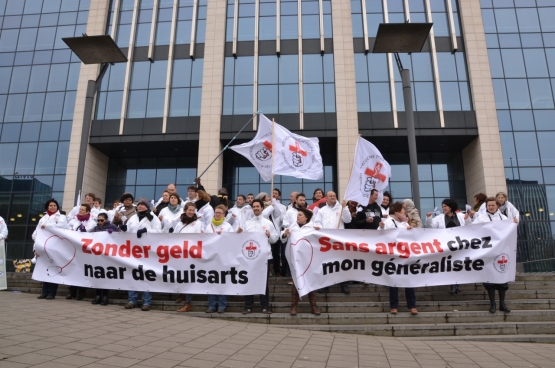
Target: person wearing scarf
{"points": [[171, 214], [125, 211], [240, 213], [142, 222], [51, 219], [82, 222], [302, 224], [218, 226], [412, 213], [188, 224], [397, 219], [506, 207], [493, 214]]}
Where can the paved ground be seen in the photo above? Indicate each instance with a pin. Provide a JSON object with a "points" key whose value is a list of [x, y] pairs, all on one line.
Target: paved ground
{"points": [[60, 333]]}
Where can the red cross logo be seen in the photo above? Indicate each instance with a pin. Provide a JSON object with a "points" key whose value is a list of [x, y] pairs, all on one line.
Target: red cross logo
{"points": [[376, 172], [268, 145], [251, 246], [503, 261], [297, 148]]}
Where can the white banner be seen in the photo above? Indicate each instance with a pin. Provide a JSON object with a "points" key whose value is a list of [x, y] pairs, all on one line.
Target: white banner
{"points": [[403, 258], [294, 155], [370, 171], [226, 264], [3, 275]]}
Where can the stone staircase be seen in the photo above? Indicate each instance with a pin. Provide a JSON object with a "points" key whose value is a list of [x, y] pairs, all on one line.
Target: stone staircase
{"points": [[366, 310]]}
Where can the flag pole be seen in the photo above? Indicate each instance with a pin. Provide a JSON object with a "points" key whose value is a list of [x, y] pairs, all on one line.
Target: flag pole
{"points": [[232, 139], [350, 173], [273, 125]]}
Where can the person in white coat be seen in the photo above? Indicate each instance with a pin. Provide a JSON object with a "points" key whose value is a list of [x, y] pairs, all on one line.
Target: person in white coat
{"points": [[302, 224], [83, 222], [218, 226], [506, 207], [493, 214], [3, 229], [171, 215], [290, 217], [89, 199], [260, 224], [205, 212], [451, 217], [188, 224], [398, 219], [333, 215], [273, 211], [51, 219], [142, 222], [240, 213]]}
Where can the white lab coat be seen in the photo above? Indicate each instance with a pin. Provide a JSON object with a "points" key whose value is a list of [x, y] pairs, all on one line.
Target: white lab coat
{"points": [[154, 226], [328, 217], [170, 219], [487, 217], [56, 220], [75, 211], [290, 218], [438, 222], [242, 215], [511, 211], [261, 224], [194, 227], [205, 214], [75, 224], [390, 223], [296, 228], [183, 201], [225, 227], [277, 211], [3, 229]]}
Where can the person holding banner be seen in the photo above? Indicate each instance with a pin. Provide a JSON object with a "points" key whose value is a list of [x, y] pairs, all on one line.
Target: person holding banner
{"points": [[318, 201], [451, 217], [506, 207], [386, 202], [303, 223], [412, 213], [240, 213], [89, 199], [218, 226], [162, 203], [370, 216], [144, 221], [397, 219], [493, 214], [52, 218], [103, 225], [260, 224], [83, 222], [290, 218], [170, 216], [205, 212], [125, 211]]}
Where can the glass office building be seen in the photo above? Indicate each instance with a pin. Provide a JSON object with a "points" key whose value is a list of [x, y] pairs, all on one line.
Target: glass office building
{"points": [[198, 70]]}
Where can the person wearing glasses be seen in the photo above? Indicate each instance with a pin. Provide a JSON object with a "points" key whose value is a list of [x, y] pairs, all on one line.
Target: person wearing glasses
{"points": [[218, 226], [103, 224]]}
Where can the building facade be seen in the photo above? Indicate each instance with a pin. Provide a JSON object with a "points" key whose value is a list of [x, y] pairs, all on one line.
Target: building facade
{"points": [[198, 70]]}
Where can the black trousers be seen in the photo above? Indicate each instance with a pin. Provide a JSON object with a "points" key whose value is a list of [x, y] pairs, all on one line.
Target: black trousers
{"points": [[74, 290], [285, 270], [264, 298], [394, 298], [276, 255], [49, 288], [102, 293], [489, 286]]}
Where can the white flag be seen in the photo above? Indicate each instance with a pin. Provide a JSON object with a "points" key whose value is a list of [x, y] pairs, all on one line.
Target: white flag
{"points": [[370, 171], [295, 155]]}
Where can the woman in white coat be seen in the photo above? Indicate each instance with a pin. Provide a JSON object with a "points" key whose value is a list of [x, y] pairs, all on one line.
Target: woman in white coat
{"points": [[205, 212], [398, 219], [189, 224], [493, 214], [451, 217], [302, 224], [171, 214], [84, 222], [506, 207], [218, 225], [142, 222], [51, 219]]}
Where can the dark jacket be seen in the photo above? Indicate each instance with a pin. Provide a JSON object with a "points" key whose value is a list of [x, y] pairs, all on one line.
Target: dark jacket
{"points": [[107, 226], [360, 220]]}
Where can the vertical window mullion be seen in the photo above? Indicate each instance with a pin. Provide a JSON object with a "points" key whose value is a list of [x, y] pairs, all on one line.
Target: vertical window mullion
{"points": [[130, 52], [321, 17], [278, 26], [115, 18], [365, 25], [153, 30], [167, 95], [194, 30], [300, 58], [235, 26], [435, 70], [255, 62], [390, 67], [452, 31], [407, 10]]}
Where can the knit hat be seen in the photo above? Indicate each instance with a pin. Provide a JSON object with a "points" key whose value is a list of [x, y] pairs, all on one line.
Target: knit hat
{"points": [[261, 196], [145, 202], [125, 196]]}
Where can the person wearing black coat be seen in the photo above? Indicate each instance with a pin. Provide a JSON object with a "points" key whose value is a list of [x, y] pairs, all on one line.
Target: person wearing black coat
{"points": [[102, 224], [370, 216]]}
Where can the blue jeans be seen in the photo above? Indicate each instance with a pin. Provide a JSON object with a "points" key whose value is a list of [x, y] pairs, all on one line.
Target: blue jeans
{"points": [[147, 296], [410, 295], [221, 300]]}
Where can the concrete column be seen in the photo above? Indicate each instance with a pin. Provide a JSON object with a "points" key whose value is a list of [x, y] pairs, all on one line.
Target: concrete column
{"points": [[212, 90], [483, 159], [96, 164], [345, 91]]}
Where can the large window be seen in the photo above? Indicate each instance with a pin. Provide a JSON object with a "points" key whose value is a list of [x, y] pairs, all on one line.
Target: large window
{"points": [[238, 86]]}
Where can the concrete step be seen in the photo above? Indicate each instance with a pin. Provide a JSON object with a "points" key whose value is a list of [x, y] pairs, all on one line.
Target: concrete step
{"points": [[539, 338]]}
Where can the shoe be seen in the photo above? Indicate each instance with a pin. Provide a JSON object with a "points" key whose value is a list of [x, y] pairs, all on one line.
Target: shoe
{"points": [[393, 311], [210, 310], [41, 296], [503, 307], [345, 289], [145, 308], [186, 308], [49, 297], [313, 308], [491, 295], [80, 296], [129, 306], [180, 298], [96, 300], [247, 311], [221, 310], [453, 289], [413, 311], [266, 311], [271, 273], [458, 289], [69, 297], [104, 301], [290, 283]]}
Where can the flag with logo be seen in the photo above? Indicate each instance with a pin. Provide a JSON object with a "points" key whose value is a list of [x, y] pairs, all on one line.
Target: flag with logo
{"points": [[295, 155], [370, 171]]}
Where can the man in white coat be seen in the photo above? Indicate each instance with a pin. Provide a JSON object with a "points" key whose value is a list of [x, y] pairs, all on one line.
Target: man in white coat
{"points": [[240, 213], [89, 199], [260, 224], [290, 217]]}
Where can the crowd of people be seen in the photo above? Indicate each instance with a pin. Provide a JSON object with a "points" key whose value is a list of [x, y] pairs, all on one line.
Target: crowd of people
{"points": [[201, 212]]}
